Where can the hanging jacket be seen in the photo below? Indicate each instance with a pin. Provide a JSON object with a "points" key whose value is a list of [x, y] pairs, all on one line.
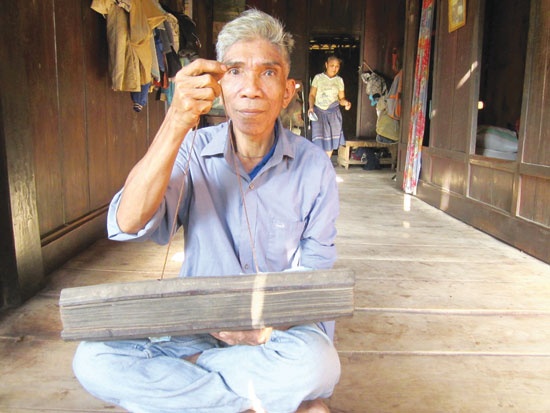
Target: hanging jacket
{"points": [[131, 43]]}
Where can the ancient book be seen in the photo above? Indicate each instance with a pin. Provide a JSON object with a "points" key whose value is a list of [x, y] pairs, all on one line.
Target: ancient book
{"points": [[191, 305]]}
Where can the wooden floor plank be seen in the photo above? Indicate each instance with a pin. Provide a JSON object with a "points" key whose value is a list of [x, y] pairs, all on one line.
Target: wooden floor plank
{"points": [[525, 270], [37, 318], [38, 375], [415, 252], [442, 333], [452, 295], [128, 256], [77, 277], [383, 383]]}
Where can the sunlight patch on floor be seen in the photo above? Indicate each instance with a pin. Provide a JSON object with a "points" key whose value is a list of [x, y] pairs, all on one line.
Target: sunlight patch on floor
{"points": [[407, 203]]}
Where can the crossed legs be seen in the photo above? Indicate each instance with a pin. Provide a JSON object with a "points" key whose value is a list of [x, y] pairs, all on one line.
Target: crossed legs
{"points": [[142, 376]]}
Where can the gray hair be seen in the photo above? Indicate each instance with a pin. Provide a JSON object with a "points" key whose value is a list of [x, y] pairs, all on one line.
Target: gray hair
{"points": [[250, 25]]}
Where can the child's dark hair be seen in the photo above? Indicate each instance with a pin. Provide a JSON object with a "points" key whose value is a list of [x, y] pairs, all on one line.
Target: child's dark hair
{"points": [[333, 56]]}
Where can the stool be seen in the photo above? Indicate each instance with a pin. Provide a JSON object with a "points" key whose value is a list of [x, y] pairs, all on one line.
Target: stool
{"points": [[345, 151]]}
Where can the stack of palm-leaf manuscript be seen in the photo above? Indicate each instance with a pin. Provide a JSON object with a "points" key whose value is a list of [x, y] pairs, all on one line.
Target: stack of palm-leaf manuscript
{"points": [[191, 305]]}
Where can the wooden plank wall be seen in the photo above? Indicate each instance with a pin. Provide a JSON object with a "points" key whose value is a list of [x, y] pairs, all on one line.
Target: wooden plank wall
{"points": [[508, 199], [534, 193], [335, 16], [83, 137], [454, 81], [383, 30], [294, 15], [453, 93], [203, 16], [536, 149], [94, 136]]}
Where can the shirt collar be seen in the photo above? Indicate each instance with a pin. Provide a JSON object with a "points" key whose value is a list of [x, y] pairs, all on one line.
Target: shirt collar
{"points": [[219, 145]]}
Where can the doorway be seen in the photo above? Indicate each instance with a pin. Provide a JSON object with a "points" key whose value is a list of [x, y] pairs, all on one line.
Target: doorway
{"points": [[346, 47]]}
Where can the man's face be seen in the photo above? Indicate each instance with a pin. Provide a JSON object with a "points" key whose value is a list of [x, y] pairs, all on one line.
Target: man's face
{"points": [[255, 87]]}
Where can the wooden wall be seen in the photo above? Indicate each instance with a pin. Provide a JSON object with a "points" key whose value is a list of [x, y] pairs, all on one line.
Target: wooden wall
{"points": [[92, 137], [508, 199], [294, 15], [203, 16], [384, 30], [533, 202], [335, 16], [76, 138], [454, 99]]}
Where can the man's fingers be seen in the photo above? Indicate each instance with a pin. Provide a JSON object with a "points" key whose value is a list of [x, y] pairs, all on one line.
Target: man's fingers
{"points": [[196, 107], [203, 87], [250, 337], [206, 93], [202, 66], [196, 87]]}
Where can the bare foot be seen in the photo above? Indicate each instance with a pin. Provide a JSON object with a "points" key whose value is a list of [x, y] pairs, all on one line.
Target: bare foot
{"points": [[309, 406], [313, 406]]}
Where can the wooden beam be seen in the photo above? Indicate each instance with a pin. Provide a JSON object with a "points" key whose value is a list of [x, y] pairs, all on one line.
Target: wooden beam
{"points": [[65, 244], [540, 171], [493, 163]]}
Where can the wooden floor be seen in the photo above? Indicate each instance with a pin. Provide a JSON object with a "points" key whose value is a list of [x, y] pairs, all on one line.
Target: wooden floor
{"points": [[447, 319]]}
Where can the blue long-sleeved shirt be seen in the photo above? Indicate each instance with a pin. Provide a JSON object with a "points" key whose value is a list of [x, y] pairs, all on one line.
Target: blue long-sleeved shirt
{"points": [[292, 205]]}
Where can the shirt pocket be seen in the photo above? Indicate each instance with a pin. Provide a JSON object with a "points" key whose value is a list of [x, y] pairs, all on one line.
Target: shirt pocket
{"points": [[284, 241]]}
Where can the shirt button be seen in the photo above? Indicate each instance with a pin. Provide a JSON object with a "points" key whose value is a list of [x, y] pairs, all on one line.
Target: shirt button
{"points": [[251, 186], [246, 266]]}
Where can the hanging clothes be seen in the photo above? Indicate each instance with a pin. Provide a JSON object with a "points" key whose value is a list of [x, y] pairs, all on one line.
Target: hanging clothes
{"points": [[188, 39], [139, 99], [418, 110], [172, 21], [171, 58], [130, 38]]}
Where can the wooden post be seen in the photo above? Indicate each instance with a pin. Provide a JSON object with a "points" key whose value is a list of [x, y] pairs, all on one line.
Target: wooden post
{"points": [[22, 270]]}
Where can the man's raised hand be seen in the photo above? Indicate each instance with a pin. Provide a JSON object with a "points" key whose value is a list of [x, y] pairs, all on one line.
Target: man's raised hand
{"points": [[196, 87]]}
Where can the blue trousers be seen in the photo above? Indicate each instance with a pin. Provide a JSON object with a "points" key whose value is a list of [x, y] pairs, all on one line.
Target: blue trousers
{"points": [[148, 376]]}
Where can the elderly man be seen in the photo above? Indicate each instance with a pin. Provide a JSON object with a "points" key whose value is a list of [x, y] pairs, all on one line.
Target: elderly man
{"points": [[290, 200]]}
